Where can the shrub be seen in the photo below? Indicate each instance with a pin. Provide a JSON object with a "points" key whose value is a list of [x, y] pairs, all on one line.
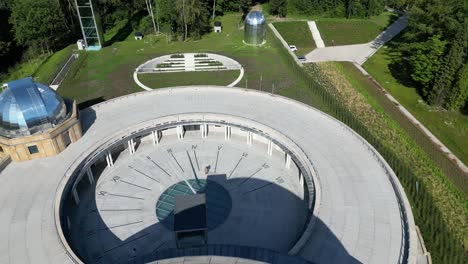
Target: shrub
{"points": [[177, 56]]}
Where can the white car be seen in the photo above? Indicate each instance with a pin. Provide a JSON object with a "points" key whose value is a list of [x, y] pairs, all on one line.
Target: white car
{"points": [[292, 47]]}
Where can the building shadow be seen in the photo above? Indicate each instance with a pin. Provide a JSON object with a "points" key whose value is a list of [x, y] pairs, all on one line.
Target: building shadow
{"points": [[91, 102], [87, 119], [96, 242]]}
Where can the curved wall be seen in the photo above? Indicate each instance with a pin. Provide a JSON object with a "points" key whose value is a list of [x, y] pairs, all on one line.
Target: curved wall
{"points": [[114, 143], [325, 142]]}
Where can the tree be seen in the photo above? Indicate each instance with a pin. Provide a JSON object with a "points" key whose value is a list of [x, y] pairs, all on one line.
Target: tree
{"points": [[424, 61], [278, 7], [214, 9], [199, 18], [432, 65], [373, 7], [193, 17], [337, 8], [39, 24], [459, 94], [453, 62], [244, 6], [400, 4], [5, 36], [149, 8]]}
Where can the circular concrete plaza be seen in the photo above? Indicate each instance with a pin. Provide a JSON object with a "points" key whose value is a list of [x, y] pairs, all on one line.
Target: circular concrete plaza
{"points": [[284, 183]]}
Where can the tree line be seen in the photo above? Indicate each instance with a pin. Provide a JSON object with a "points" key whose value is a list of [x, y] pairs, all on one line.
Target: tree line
{"points": [[434, 52], [30, 28], [329, 8], [37, 27]]}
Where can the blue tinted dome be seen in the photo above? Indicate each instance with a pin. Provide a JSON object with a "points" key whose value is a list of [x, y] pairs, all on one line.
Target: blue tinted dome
{"points": [[27, 108], [255, 18]]}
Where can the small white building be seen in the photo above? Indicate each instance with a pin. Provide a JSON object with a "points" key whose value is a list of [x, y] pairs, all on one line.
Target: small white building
{"points": [[81, 44], [217, 27], [138, 36]]}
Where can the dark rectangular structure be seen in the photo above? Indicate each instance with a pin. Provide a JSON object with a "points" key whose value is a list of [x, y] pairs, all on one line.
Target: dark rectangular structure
{"points": [[190, 223]]}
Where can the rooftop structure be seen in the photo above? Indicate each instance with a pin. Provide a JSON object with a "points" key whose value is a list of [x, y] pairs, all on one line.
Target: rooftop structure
{"points": [[27, 108], [190, 212], [35, 121], [302, 184], [190, 221]]}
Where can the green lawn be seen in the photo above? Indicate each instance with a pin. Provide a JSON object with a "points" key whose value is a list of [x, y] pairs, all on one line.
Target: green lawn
{"points": [[449, 127], [109, 73], [161, 80], [339, 31], [297, 33]]}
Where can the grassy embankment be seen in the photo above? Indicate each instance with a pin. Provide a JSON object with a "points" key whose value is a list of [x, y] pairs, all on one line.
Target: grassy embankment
{"points": [[352, 89], [450, 127], [43, 68], [339, 31], [297, 33]]}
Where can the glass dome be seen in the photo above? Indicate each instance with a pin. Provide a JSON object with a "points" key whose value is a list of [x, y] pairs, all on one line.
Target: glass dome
{"points": [[255, 18], [27, 108], [255, 28]]}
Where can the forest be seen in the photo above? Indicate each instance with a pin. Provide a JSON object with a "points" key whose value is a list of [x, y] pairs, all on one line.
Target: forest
{"points": [[33, 28], [433, 47], [434, 52]]}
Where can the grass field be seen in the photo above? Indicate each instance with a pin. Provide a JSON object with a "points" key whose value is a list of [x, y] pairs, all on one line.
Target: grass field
{"points": [[449, 127], [160, 80], [297, 33], [338, 31], [109, 73]]}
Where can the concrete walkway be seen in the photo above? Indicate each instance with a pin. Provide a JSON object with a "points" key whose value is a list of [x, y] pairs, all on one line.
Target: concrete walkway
{"points": [[189, 61], [316, 34], [361, 52]]}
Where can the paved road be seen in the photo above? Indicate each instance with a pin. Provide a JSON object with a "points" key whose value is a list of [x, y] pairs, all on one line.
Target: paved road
{"points": [[361, 52], [358, 216]]}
